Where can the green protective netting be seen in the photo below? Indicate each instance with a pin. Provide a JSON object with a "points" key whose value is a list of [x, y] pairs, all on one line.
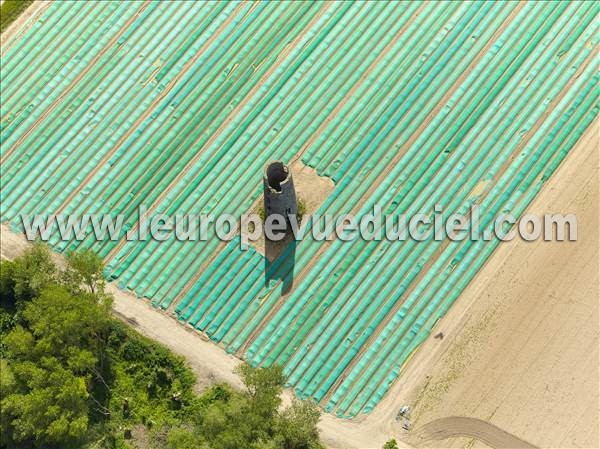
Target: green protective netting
{"points": [[178, 106]]}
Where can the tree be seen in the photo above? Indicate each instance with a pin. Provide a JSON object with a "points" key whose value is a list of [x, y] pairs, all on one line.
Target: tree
{"points": [[65, 325], [180, 438], [26, 276], [251, 419], [84, 269], [72, 376], [392, 444], [297, 426], [231, 424], [263, 387], [52, 360], [45, 406]]}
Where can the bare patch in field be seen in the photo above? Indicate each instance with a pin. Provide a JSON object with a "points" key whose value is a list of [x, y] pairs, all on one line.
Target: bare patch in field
{"points": [[311, 189]]}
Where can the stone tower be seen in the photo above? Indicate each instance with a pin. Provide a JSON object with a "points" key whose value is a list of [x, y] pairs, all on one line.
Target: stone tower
{"points": [[280, 195]]}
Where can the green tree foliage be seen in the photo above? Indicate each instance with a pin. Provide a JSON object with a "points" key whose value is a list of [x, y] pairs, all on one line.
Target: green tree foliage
{"points": [[263, 387], [180, 438], [392, 444], [7, 322], [65, 325], [10, 10], [52, 358], [84, 272], [74, 377], [45, 406], [296, 426], [252, 418], [53, 352], [26, 276]]}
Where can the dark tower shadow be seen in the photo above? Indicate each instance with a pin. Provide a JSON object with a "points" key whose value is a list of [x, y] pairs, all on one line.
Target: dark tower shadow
{"points": [[280, 257]]}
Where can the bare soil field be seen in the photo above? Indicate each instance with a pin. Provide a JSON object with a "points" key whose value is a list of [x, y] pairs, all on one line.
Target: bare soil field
{"points": [[526, 356], [455, 426]]}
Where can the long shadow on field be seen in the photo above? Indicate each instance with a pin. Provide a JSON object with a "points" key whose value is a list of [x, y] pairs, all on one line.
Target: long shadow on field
{"points": [[279, 261]]}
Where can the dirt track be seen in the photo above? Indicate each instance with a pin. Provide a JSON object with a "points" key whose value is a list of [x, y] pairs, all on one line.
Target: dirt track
{"points": [[456, 426]]}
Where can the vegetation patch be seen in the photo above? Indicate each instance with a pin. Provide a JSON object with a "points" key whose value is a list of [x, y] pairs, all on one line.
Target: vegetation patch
{"points": [[10, 10], [72, 376], [301, 204]]}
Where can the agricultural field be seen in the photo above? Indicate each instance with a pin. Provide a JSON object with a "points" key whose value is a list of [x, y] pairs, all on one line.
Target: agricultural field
{"points": [[178, 106]]}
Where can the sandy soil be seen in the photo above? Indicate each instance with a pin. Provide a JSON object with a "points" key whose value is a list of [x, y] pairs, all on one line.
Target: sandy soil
{"points": [[455, 426], [22, 24], [526, 357], [311, 188], [520, 346]]}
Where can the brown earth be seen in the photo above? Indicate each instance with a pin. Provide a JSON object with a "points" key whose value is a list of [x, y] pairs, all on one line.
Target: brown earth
{"points": [[455, 426]]}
